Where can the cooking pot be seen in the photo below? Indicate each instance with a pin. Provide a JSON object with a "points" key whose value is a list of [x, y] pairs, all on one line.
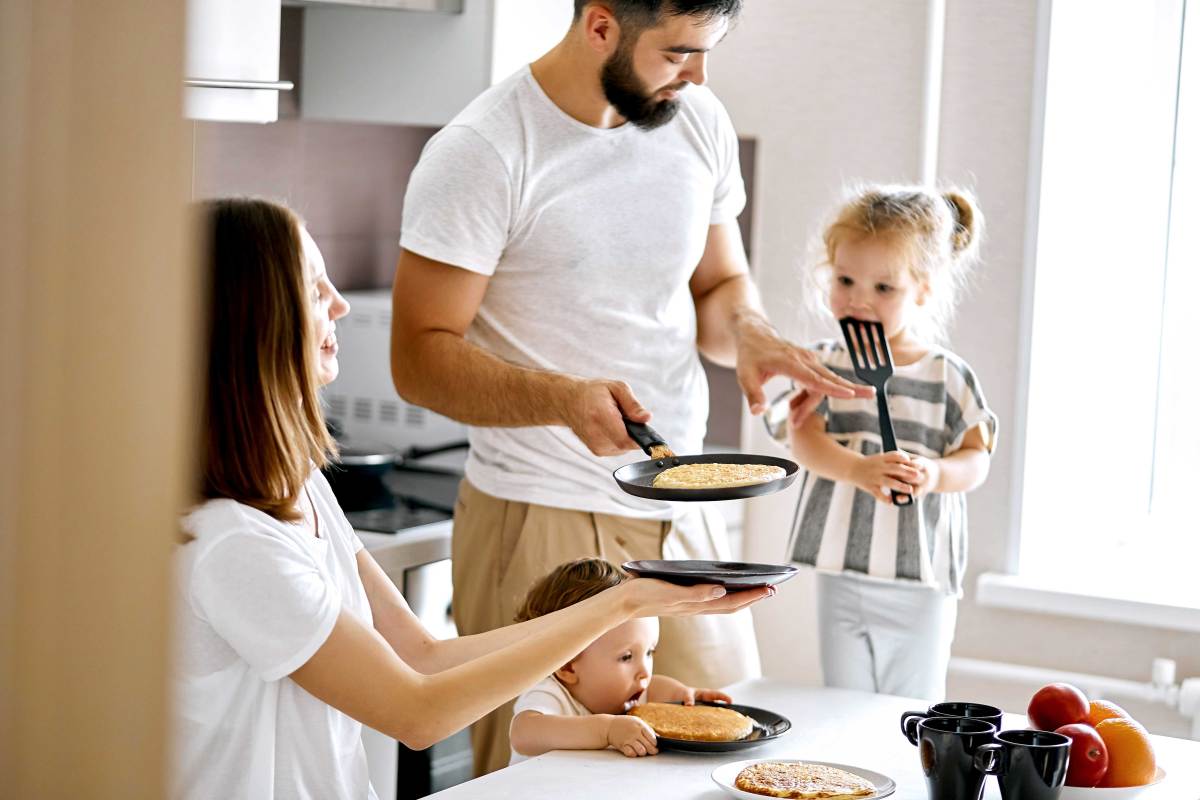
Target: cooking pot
{"points": [[356, 473]]}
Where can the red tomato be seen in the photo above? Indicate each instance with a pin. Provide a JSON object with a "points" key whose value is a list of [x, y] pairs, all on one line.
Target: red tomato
{"points": [[1089, 756], [1056, 705]]}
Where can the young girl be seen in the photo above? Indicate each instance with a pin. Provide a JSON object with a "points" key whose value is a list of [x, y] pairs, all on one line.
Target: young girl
{"points": [[290, 635], [582, 705], [889, 577]]}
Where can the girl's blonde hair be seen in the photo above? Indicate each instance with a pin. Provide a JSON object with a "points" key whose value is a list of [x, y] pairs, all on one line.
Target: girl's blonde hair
{"points": [[937, 234], [262, 429]]}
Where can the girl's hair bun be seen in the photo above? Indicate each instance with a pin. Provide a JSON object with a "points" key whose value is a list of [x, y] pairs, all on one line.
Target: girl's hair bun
{"points": [[967, 221]]}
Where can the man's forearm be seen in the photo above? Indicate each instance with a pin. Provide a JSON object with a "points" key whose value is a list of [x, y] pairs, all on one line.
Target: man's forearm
{"points": [[444, 372], [723, 314]]}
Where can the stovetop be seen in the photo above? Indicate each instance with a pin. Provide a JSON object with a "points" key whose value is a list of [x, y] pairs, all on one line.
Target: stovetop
{"points": [[404, 498]]}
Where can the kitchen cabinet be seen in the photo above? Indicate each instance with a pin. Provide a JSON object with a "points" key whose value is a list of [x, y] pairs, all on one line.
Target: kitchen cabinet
{"points": [[418, 68], [232, 62]]}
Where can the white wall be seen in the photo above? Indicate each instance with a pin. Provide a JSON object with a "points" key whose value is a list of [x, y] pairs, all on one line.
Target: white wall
{"points": [[832, 90]]}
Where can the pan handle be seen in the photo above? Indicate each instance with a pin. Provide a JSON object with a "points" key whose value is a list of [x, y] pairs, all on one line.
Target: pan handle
{"points": [[645, 436]]}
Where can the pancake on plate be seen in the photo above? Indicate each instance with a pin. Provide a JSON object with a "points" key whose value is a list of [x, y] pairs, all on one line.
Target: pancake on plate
{"points": [[695, 723], [799, 780], [716, 476]]}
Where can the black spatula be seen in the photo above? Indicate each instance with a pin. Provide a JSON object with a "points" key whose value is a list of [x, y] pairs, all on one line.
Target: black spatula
{"points": [[872, 359]]}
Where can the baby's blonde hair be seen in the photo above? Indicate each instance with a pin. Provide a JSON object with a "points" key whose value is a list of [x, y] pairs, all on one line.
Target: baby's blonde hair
{"points": [[937, 232]]}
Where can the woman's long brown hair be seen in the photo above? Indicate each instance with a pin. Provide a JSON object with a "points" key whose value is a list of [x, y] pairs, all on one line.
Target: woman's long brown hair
{"points": [[263, 430]]}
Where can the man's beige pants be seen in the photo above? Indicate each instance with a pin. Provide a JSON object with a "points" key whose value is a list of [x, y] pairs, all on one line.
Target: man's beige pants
{"points": [[500, 548]]}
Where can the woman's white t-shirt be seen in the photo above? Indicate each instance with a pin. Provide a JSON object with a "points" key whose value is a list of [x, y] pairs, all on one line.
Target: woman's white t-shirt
{"points": [[257, 598]]}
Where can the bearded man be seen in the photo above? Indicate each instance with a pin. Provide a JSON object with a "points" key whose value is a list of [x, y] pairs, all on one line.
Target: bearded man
{"points": [[569, 248]]}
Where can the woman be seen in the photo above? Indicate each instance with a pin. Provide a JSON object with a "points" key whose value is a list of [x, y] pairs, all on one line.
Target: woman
{"points": [[292, 637]]}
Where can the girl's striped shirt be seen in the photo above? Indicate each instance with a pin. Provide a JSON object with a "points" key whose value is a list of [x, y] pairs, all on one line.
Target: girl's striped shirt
{"points": [[933, 403]]}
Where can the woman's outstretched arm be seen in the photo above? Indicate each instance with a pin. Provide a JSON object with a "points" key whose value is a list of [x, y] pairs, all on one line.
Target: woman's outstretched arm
{"points": [[358, 672]]}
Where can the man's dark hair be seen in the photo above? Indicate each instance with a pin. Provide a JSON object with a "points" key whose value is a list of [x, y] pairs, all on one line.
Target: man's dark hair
{"points": [[640, 14]]}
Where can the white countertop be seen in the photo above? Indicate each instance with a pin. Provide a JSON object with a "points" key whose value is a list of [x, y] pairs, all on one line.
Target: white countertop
{"points": [[834, 725]]}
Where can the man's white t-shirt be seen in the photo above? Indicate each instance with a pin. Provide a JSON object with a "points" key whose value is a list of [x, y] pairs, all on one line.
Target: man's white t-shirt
{"points": [[547, 697], [257, 598], [590, 237]]}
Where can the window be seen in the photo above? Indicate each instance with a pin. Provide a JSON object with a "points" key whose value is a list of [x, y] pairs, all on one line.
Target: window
{"points": [[1112, 448]]}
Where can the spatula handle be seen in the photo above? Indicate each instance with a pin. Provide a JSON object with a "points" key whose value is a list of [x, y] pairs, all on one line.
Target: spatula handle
{"points": [[888, 433]]}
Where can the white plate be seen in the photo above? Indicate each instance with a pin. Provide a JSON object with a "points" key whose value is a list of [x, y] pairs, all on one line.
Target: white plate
{"points": [[1114, 793], [725, 775]]}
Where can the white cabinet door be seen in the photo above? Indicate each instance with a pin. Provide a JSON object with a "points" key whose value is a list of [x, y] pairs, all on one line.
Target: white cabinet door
{"points": [[233, 43]]}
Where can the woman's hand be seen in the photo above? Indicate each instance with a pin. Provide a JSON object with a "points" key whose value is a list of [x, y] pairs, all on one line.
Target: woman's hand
{"points": [[649, 597], [631, 736], [883, 473], [930, 474]]}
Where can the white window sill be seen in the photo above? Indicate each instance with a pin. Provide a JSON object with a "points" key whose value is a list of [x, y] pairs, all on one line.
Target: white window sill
{"points": [[1025, 594]]}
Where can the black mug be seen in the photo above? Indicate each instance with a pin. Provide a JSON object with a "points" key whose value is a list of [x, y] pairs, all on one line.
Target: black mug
{"points": [[1031, 765], [948, 746], [909, 719]]}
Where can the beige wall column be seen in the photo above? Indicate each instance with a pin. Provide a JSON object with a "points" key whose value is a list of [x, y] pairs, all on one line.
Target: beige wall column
{"points": [[96, 368]]}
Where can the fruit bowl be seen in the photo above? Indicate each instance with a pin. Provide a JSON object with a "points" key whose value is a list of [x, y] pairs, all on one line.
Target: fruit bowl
{"points": [[1115, 793]]}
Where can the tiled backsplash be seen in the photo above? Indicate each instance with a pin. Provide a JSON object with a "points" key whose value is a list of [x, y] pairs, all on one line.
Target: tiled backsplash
{"points": [[346, 180]]}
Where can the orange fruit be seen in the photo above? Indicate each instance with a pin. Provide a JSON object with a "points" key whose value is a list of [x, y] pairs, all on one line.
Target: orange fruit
{"points": [[1100, 710], [1130, 754]]}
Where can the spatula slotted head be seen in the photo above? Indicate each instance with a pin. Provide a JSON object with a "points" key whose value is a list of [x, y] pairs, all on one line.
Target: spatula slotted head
{"points": [[869, 351]]}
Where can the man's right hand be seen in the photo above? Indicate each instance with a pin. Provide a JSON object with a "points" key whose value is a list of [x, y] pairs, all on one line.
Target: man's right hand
{"points": [[593, 409]]}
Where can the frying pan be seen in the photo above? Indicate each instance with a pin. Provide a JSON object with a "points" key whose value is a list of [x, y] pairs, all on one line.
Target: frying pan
{"points": [[638, 478]]}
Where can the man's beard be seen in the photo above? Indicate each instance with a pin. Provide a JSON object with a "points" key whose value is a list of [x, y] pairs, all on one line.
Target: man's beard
{"points": [[628, 95]]}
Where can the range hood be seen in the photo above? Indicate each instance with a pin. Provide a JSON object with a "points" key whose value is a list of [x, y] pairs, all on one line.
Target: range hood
{"points": [[442, 6]]}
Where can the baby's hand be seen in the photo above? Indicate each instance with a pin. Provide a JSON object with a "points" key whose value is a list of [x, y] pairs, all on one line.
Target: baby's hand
{"points": [[705, 696], [883, 473], [632, 736], [930, 470]]}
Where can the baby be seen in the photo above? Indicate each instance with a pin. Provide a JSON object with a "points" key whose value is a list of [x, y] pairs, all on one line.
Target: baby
{"points": [[582, 705]]}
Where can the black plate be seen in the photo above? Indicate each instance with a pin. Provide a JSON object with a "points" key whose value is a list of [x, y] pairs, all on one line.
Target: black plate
{"points": [[638, 478], [730, 574], [767, 726]]}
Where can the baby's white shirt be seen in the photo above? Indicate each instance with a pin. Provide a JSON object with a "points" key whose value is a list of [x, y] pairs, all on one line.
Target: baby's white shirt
{"points": [[547, 697]]}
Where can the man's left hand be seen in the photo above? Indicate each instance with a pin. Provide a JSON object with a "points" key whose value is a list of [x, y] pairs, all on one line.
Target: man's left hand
{"points": [[763, 354]]}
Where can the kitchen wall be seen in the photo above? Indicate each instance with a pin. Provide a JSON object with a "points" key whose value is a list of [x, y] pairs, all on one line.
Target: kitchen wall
{"points": [[832, 91], [345, 179]]}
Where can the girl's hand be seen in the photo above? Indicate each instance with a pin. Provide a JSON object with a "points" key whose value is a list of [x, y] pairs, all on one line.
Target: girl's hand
{"points": [[648, 597], [883, 473], [631, 736], [930, 470], [705, 696]]}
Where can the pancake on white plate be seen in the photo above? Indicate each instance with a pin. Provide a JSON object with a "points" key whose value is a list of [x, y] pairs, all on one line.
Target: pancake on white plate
{"points": [[802, 780]]}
